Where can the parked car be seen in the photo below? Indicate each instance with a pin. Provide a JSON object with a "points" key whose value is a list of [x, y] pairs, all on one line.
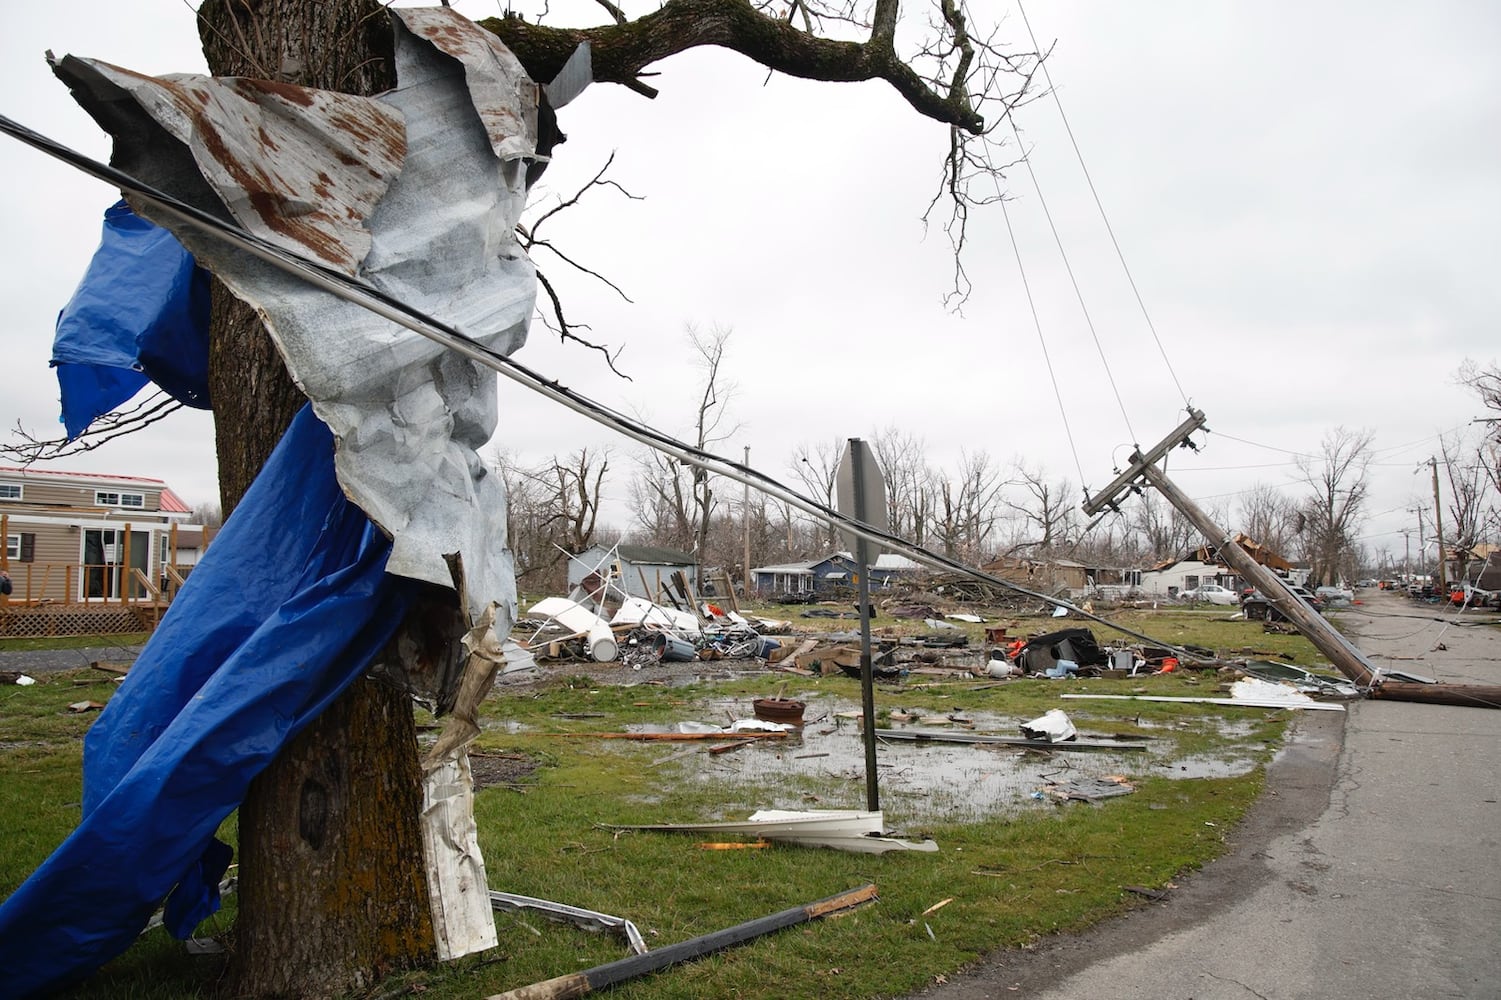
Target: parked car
{"points": [[1335, 595], [1257, 605], [1210, 593]]}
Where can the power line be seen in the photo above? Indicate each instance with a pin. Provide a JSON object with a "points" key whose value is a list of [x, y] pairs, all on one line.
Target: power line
{"points": [[1078, 293], [397, 311], [1100, 205], [1037, 325]]}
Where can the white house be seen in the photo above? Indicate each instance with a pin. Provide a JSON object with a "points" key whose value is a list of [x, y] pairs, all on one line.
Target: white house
{"points": [[1170, 579]]}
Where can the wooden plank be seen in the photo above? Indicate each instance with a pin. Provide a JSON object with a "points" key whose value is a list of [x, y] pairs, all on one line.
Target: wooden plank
{"points": [[1317, 706], [666, 737], [920, 735]]}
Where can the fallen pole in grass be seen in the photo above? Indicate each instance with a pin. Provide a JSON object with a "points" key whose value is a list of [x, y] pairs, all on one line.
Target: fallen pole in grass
{"points": [[577, 984]]}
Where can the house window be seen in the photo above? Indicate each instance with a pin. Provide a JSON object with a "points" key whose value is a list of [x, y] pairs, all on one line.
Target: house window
{"points": [[10, 491], [1190, 582], [109, 498], [20, 548]]}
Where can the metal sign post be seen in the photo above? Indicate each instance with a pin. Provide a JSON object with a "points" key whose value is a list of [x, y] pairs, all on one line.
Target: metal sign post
{"points": [[862, 496]]}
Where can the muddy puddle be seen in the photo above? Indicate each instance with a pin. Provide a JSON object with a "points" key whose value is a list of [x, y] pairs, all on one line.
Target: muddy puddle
{"points": [[824, 767]]}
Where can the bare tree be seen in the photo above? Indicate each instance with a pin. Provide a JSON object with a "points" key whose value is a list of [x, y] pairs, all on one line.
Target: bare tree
{"points": [[575, 489], [1163, 532], [207, 514], [1045, 510], [531, 548], [552, 511], [303, 925], [1271, 518], [967, 507], [909, 483], [1470, 499], [675, 502], [816, 468], [1335, 505]]}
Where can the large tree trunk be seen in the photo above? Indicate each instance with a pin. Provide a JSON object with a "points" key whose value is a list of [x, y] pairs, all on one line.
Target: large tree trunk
{"points": [[332, 886]]}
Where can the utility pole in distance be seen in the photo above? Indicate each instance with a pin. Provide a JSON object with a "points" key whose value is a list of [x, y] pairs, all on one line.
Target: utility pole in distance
{"points": [[1438, 527]]}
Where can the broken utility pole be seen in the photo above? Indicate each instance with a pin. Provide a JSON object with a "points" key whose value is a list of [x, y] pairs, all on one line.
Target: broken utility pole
{"points": [[1325, 637]]}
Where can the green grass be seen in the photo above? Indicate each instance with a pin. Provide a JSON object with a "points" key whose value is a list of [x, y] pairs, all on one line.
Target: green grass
{"points": [[1011, 876]]}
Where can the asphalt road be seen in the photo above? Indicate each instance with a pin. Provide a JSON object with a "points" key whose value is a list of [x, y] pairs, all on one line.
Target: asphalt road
{"points": [[1368, 870], [47, 661]]}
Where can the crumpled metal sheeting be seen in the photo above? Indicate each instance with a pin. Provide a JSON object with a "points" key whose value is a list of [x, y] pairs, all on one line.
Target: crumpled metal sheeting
{"points": [[300, 167], [408, 415], [504, 96]]}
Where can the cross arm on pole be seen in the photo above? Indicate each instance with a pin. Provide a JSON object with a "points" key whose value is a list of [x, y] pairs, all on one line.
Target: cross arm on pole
{"points": [[1110, 495]]}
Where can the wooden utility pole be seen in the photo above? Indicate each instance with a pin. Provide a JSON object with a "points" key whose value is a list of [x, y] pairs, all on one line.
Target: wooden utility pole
{"points": [[745, 523], [1325, 637], [1438, 527]]}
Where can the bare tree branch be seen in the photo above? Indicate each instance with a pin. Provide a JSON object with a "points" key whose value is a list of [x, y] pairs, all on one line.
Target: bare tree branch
{"points": [[623, 50], [530, 240], [103, 430]]}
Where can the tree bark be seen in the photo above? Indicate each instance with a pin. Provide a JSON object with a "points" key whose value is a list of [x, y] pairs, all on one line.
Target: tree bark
{"points": [[333, 890]]}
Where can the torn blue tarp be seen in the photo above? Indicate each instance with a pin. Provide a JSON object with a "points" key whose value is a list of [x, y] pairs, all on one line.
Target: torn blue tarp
{"points": [[284, 612], [139, 315]]}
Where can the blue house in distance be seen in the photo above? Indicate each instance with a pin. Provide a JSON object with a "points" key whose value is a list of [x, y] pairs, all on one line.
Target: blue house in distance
{"points": [[830, 576]]}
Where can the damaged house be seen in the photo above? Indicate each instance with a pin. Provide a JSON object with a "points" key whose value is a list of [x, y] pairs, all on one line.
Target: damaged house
{"points": [[834, 574], [1051, 574], [640, 570], [1201, 566]]}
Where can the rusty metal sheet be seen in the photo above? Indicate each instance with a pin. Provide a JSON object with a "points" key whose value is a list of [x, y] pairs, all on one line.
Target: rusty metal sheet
{"points": [[299, 167], [408, 416], [503, 94]]}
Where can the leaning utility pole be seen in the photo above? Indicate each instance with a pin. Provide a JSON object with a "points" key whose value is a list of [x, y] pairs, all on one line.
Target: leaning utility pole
{"points": [[1325, 637], [1349, 660]]}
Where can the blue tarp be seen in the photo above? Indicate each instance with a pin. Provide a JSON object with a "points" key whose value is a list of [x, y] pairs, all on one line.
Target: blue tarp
{"points": [[285, 611], [140, 314]]}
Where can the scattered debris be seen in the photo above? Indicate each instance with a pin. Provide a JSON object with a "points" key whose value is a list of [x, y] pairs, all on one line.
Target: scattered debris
{"points": [[787, 710], [589, 920], [15, 677], [919, 735], [1141, 890], [85, 706], [1303, 680], [578, 621], [859, 831], [665, 737], [1264, 695], [1088, 789], [577, 984], [1051, 727]]}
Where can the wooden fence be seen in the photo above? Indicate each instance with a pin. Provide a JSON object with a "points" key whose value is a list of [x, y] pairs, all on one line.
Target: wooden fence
{"points": [[101, 599]]}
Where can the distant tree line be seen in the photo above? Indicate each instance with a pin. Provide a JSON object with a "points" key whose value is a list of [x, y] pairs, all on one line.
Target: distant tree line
{"points": [[979, 508]]}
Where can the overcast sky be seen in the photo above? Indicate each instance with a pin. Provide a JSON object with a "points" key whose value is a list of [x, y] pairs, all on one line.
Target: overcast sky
{"points": [[1308, 197]]}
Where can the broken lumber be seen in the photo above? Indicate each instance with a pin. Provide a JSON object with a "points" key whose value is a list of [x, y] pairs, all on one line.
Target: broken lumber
{"points": [[935, 736], [670, 737]]}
